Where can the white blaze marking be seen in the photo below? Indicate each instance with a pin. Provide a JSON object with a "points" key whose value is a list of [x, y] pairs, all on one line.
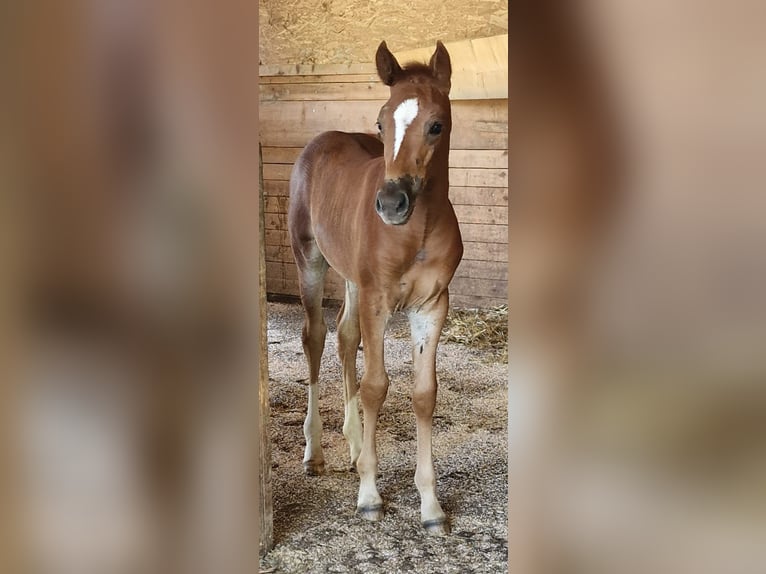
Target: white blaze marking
{"points": [[403, 116]]}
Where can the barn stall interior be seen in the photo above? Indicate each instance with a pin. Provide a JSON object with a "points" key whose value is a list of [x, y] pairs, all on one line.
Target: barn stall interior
{"points": [[314, 79]]}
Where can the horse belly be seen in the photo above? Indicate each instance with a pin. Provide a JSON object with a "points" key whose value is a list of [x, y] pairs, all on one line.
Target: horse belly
{"points": [[336, 256]]}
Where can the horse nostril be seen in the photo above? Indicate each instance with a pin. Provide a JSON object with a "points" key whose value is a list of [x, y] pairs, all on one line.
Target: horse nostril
{"points": [[401, 207], [378, 205]]}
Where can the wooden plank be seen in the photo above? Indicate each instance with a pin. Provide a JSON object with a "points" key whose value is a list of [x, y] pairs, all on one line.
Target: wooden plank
{"points": [[492, 214], [293, 124], [281, 154], [490, 158], [480, 124], [466, 177], [278, 252], [479, 251], [496, 270], [275, 269], [489, 53], [284, 269], [479, 287], [276, 188], [277, 237], [315, 69], [319, 78], [324, 91], [480, 67], [277, 171], [277, 285], [476, 195], [276, 221], [276, 204], [476, 124], [483, 233], [473, 302]]}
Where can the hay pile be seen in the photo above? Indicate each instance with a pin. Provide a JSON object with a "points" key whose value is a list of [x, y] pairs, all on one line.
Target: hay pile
{"points": [[484, 329]]}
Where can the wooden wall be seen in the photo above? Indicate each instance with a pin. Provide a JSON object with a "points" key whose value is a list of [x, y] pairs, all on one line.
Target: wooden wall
{"points": [[299, 102]]}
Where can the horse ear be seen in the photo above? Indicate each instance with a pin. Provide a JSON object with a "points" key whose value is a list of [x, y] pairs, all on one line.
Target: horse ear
{"points": [[388, 67], [441, 66]]}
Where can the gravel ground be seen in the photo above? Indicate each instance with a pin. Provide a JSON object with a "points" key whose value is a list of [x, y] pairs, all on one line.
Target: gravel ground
{"points": [[315, 527]]}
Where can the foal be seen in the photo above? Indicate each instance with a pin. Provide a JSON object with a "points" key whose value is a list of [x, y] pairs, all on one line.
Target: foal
{"points": [[377, 211]]}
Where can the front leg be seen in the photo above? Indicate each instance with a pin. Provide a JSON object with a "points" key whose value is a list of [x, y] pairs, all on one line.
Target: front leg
{"points": [[373, 315], [426, 325]]}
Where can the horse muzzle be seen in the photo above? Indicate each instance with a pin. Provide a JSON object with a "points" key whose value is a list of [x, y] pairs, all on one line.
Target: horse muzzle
{"points": [[395, 201]]}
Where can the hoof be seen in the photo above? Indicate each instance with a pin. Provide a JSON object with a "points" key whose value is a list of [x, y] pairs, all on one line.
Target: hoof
{"points": [[437, 527], [373, 512], [313, 468]]}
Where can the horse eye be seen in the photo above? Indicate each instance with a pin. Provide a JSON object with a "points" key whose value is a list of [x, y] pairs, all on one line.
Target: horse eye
{"points": [[377, 125], [435, 129]]}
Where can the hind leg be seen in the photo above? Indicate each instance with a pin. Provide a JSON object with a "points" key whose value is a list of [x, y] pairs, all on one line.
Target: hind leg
{"points": [[349, 337], [312, 267]]}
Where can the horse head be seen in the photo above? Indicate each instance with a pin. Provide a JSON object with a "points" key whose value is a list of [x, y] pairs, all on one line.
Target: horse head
{"points": [[414, 125]]}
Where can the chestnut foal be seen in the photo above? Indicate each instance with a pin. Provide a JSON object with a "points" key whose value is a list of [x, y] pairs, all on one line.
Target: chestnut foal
{"points": [[377, 211]]}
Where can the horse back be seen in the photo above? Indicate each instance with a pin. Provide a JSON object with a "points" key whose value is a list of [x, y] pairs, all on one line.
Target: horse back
{"points": [[335, 149], [335, 168]]}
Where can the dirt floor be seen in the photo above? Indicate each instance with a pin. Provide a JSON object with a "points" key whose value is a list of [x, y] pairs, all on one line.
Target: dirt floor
{"points": [[315, 527]]}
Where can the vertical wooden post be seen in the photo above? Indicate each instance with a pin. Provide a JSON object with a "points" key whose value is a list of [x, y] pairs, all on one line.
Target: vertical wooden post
{"points": [[266, 510]]}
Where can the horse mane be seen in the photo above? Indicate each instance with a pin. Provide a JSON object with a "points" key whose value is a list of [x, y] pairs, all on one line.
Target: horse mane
{"points": [[413, 70]]}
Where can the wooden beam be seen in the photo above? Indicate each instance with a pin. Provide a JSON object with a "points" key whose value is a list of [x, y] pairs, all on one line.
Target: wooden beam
{"points": [[315, 69], [491, 214], [264, 468], [485, 251], [320, 79], [479, 68], [479, 287], [497, 270], [491, 158], [472, 301], [478, 195], [338, 92]]}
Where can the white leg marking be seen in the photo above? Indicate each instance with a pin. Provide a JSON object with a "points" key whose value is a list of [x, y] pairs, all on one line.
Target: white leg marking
{"points": [[421, 326], [404, 115], [425, 336], [312, 428], [352, 428]]}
